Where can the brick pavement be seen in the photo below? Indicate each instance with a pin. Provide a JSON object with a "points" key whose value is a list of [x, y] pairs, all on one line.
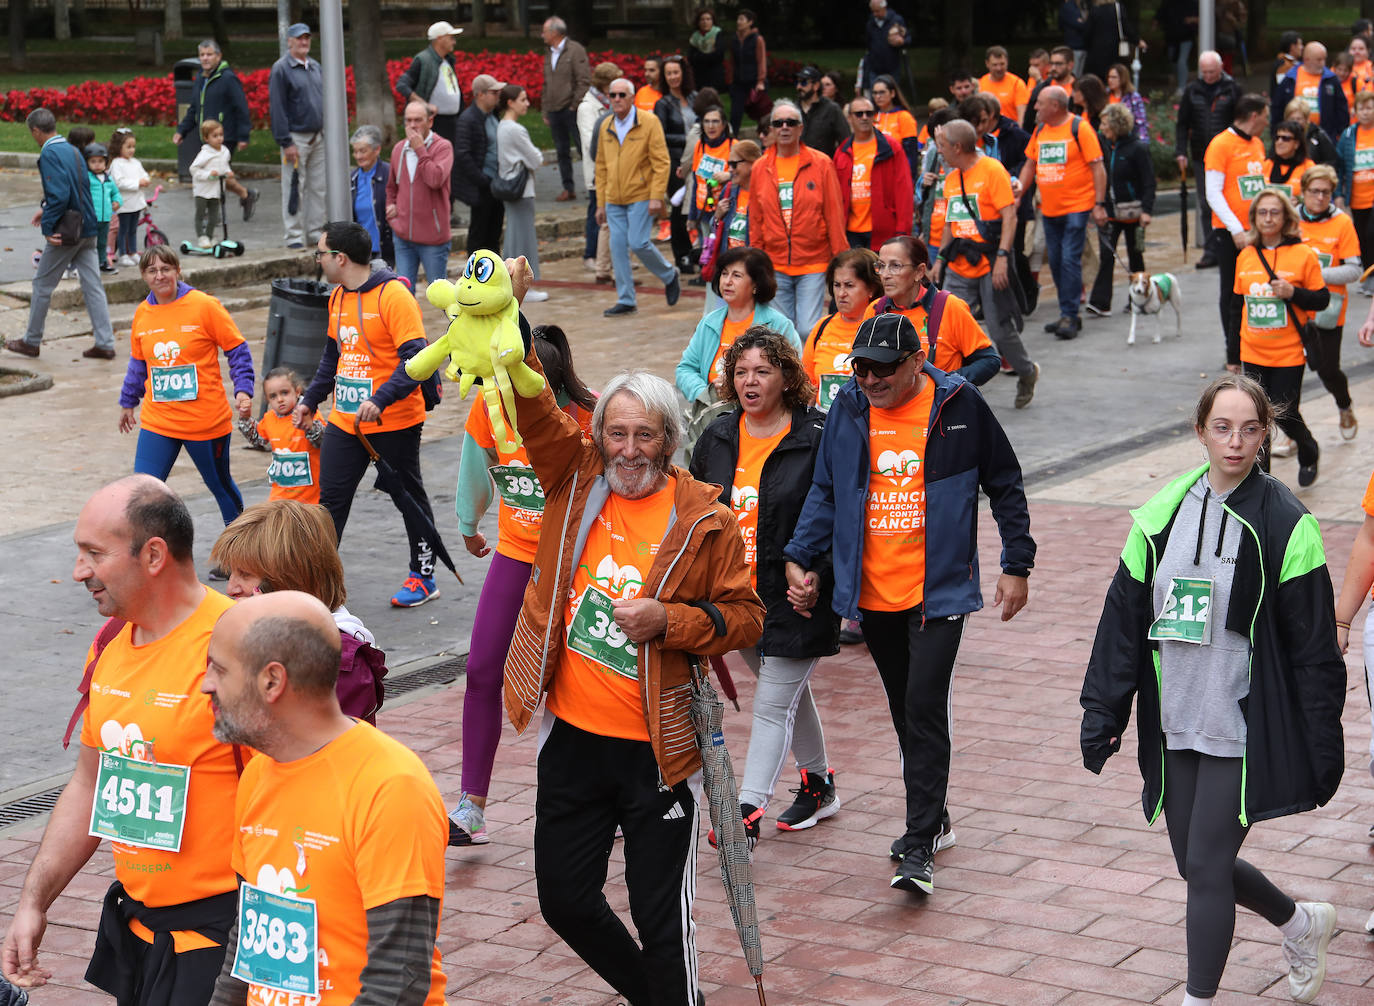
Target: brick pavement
{"points": [[1056, 893]]}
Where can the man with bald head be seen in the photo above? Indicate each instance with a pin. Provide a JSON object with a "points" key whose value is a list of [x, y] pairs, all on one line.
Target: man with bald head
{"points": [[1065, 161], [339, 830], [1319, 88], [1206, 108], [150, 771]]}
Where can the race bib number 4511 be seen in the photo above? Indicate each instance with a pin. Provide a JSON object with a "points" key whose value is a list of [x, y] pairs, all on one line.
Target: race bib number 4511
{"points": [[139, 803], [279, 941]]}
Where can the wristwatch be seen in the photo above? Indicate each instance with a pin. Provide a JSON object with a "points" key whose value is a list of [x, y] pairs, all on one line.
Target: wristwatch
{"points": [[1002, 253]]}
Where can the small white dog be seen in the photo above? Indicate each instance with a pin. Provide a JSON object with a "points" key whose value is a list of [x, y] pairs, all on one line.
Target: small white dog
{"points": [[1148, 295]]}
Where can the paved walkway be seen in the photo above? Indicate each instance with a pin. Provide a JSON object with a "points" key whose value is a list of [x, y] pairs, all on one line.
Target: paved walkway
{"points": [[1056, 893]]}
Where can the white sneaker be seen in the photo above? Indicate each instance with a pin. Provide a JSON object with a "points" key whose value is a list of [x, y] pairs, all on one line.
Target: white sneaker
{"points": [[1307, 954], [1283, 447], [536, 296], [203, 241], [467, 825], [128, 260]]}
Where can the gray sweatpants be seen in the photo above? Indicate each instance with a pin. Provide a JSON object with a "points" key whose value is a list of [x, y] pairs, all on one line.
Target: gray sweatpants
{"points": [[53, 262], [784, 717], [1000, 323]]}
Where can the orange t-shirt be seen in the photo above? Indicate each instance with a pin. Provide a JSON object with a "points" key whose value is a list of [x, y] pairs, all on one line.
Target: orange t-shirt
{"points": [[923, 137], [1242, 162], [1308, 88], [646, 98], [729, 332], [1291, 188], [601, 694], [744, 492], [1334, 240], [959, 337], [522, 497], [898, 124], [1062, 170], [356, 825], [390, 318], [1368, 504], [707, 162], [295, 468], [987, 188], [1268, 337], [183, 395], [825, 357], [146, 704], [894, 545], [861, 187], [1362, 181], [1011, 91]]}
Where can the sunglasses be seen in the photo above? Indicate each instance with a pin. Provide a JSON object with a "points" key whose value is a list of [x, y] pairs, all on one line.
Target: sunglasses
{"points": [[862, 113], [735, 164], [863, 368], [621, 94], [1285, 138], [786, 123]]}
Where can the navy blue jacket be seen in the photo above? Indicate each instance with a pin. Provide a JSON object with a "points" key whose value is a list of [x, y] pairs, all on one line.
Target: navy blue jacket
{"points": [[1073, 22], [882, 58], [1332, 109], [220, 97], [296, 94], [65, 186], [380, 174], [967, 449]]}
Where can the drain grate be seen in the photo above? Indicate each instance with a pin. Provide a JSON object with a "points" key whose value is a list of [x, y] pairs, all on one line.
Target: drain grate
{"points": [[438, 674], [29, 807], [444, 673]]}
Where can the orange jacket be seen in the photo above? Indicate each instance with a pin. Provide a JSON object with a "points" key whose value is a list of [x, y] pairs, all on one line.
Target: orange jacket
{"points": [[701, 559], [818, 217]]}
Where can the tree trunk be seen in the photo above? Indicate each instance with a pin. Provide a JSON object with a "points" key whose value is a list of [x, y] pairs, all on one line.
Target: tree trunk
{"points": [[1255, 28], [376, 103], [1367, 8], [61, 20], [171, 22], [958, 35], [219, 27], [479, 18], [19, 13]]}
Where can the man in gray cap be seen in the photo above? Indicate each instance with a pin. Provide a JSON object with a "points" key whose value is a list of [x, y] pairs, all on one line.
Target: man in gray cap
{"points": [[296, 93], [432, 76], [894, 503], [475, 166]]}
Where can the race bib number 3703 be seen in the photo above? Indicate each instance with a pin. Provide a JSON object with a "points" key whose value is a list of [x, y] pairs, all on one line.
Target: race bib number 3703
{"points": [[139, 803], [279, 942]]}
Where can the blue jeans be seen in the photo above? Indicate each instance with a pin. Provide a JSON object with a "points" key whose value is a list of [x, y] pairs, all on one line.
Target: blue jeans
{"points": [[410, 256], [155, 455], [630, 230], [801, 298], [1064, 244]]}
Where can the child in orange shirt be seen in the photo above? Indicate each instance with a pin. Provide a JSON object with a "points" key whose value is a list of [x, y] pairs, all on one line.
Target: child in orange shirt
{"points": [[295, 468]]}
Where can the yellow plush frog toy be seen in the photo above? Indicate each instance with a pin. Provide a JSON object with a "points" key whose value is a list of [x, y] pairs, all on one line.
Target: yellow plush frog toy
{"points": [[483, 340]]}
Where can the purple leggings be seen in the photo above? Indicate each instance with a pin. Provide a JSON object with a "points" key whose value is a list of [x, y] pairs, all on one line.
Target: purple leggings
{"points": [[494, 624]]}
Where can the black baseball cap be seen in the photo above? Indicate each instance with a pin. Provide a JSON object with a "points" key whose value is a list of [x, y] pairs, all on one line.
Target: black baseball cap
{"points": [[886, 338], [808, 73]]}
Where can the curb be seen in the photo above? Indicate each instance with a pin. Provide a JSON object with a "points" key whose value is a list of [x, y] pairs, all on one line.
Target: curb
{"points": [[32, 382]]}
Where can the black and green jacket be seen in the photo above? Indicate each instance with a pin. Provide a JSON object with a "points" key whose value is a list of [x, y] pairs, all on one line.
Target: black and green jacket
{"points": [[1281, 599]]}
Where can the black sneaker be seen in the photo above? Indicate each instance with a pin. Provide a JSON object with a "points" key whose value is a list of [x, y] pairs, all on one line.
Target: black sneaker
{"points": [[752, 816], [816, 800], [1067, 328], [1208, 261], [673, 290], [249, 203], [916, 873], [1098, 312], [1307, 474], [618, 310], [944, 840], [850, 633]]}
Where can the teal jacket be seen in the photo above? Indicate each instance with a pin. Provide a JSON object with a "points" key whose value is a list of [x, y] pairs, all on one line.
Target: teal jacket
{"points": [[104, 194], [1281, 599], [694, 369]]}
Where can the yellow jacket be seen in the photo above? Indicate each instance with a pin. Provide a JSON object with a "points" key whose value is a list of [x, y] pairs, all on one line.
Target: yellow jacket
{"points": [[635, 170]]}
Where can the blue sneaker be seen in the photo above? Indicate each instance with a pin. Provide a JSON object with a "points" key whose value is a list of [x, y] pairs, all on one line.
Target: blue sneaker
{"points": [[417, 590]]}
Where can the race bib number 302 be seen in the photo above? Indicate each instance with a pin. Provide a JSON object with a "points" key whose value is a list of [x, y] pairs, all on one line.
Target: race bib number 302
{"points": [[1265, 313], [279, 941], [139, 803]]}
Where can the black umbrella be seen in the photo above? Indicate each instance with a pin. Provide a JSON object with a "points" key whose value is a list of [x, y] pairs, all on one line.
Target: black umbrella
{"points": [[1183, 210], [405, 502], [293, 201]]}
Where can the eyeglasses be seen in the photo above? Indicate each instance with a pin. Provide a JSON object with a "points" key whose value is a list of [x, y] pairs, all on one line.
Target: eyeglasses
{"points": [[327, 251], [1285, 138], [893, 267], [1222, 433], [864, 368], [786, 123], [1267, 213], [1322, 193], [861, 113]]}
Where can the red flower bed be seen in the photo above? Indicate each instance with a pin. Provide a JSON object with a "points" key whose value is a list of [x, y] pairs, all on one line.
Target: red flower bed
{"points": [[152, 100]]}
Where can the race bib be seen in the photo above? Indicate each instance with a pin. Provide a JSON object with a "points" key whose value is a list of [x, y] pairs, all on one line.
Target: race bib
{"points": [[785, 195], [1287, 190], [830, 387], [1364, 159], [1053, 152], [279, 942], [1250, 186], [519, 487], [139, 803], [350, 393], [290, 469], [176, 384], [1324, 260], [738, 230], [1330, 316], [709, 167], [595, 634], [1186, 617], [1263, 313], [958, 211]]}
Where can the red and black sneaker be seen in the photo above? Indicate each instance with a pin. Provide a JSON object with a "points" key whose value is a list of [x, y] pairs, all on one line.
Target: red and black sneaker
{"points": [[752, 816], [816, 800]]}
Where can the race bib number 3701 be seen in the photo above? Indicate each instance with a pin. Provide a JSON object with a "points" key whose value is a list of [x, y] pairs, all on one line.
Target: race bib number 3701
{"points": [[279, 942], [139, 803]]}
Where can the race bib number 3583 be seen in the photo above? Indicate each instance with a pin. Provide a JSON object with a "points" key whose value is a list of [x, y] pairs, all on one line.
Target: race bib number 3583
{"points": [[139, 803], [279, 942]]}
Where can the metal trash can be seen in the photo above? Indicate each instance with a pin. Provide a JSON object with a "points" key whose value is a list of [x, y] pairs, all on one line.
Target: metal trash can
{"points": [[297, 329], [183, 79]]}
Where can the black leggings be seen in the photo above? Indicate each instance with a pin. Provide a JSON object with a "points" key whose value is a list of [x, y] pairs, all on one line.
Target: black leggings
{"points": [[1107, 237], [1228, 301], [1333, 378], [1283, 385], [1202, 810], [1364, 230]]}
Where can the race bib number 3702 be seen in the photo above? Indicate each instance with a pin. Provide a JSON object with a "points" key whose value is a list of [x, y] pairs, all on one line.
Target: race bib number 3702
{"points": [[279, 942], [139, 803]]}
